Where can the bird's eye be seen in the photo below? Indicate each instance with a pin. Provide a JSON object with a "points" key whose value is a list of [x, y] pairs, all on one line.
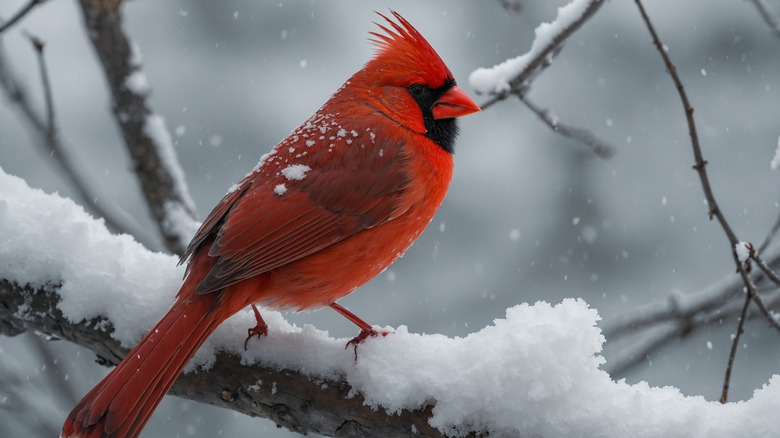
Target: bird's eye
{"points": [[417, 90]]}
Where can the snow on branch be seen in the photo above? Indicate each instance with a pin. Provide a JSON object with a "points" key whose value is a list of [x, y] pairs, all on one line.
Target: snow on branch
{"points": [[513, 75], [146, 137], [535, 372]]}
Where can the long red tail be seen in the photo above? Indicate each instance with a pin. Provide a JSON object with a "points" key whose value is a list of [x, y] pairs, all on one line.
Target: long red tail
{"points": [[121, 404]]}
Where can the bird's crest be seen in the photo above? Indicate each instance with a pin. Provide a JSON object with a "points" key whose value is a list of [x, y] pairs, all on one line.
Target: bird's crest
{"points": [[402, 50]]}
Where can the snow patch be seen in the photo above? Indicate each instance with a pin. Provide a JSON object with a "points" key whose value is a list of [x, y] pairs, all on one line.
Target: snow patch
{"points": [[775, 164], [295, 172]]}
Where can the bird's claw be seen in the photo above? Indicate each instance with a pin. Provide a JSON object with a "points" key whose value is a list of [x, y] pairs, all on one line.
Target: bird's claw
{"points": [[261, 329], [364, 334]]}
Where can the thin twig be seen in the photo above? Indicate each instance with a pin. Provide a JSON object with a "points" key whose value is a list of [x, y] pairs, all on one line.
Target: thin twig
{"points": [[770, 236], [47, 95], [724, 395], [599, 147], [700, 167], [765, 269], [22, 12], [769, 17]]}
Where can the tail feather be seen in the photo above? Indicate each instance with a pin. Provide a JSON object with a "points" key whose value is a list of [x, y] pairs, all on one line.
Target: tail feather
{"points": [[121, 404]]}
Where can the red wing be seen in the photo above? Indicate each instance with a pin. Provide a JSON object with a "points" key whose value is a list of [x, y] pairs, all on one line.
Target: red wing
{"points": [[342, 193]]}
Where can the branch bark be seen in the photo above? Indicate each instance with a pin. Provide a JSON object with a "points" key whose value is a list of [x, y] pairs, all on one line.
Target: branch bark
{"points": [[165, 191], [296, 402]]}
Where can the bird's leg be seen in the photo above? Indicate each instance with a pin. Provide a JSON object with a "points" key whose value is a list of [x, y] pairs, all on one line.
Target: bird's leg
{"points": [[261, 329], [365, 329]]}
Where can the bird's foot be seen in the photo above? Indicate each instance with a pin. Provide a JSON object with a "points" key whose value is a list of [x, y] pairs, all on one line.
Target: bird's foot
{"points": [[261, 329], [364, 334]]}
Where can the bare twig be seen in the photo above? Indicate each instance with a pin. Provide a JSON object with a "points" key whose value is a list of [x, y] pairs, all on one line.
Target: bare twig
{"points": [[599, 147], [769, 17], [47, 95], [724, 395], [770, 236], [146, 138], [20, 14], [715, 211], [765, 269]]}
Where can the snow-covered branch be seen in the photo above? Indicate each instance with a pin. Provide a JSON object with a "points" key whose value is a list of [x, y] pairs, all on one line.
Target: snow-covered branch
{"points": [[146, 137], [289, 398], [514, 75], [535, 372]]}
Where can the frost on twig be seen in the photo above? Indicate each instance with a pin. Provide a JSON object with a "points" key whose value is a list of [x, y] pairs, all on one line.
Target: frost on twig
{"points": [[146, 137]]}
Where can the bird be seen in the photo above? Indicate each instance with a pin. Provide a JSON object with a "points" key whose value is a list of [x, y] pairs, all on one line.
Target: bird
{"points": [[329, 208]]}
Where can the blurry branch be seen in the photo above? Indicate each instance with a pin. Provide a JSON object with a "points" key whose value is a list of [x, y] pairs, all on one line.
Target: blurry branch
{"points": [[714, 210], [658, 324], [599, 147], [770, 236], [769, 17], [51, 129], [22, 12], [145, 135], [45, 129], [512, 7], [299, 403]]}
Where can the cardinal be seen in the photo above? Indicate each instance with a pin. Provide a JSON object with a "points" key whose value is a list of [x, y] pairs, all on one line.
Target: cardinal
{"points": [[329, 208]]}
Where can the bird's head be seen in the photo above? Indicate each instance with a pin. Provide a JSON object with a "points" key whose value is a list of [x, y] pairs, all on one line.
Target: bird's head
{"points": [[407, 81]]}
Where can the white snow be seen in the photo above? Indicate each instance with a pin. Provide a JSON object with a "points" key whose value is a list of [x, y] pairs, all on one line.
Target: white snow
{"points": [[775, 164], [496, 80], [137, 83], [534, 372], [295, 172], [154, 127], [280, 189], [743, 251]]}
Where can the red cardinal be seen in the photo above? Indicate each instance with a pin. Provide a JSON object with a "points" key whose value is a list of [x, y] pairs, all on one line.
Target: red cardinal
{"points": [[328, 209]]}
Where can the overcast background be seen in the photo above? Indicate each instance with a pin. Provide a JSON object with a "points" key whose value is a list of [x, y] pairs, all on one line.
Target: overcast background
{"points": [[529, 216]]}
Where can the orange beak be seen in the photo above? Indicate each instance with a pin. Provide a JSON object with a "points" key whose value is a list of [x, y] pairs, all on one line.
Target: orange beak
{"points": [[454, 103]]}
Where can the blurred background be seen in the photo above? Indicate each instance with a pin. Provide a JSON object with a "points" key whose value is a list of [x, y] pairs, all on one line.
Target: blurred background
{"points": [[530, 215]]}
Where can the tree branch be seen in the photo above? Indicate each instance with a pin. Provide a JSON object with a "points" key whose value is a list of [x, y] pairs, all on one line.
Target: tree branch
{"points": [[146, 138], [599, 147], [20, 14], [299, 403], [116, 219], [715, 211], [769, 17]]}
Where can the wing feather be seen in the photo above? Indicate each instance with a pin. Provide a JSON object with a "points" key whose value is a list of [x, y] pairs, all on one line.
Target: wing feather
{"points": [[347, 188]]}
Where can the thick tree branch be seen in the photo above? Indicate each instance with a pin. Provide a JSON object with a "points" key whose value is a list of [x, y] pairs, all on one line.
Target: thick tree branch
{"points": [[146, 138], [297, 402]]}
